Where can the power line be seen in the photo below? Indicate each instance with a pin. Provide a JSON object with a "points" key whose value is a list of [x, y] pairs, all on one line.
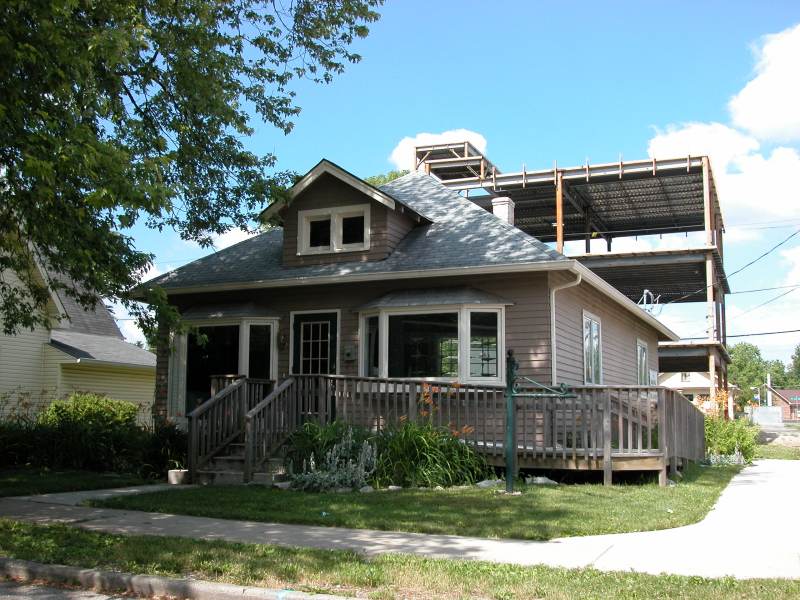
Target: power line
{"points": [[739, 270], [749, 310], [750, 334], [767, 289]]}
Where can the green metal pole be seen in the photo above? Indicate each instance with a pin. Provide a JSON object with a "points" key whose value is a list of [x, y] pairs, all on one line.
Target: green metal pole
{"points": [[511, 450]]}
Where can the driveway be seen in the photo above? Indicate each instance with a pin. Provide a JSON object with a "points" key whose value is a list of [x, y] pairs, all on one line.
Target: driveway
{"points": [[746, 535], [780, 434]]}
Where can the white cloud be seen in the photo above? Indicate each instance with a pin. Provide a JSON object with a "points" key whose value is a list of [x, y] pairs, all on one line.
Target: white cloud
{"points": [[231, 237], [752, 186], [768, 106], [792, 257], [402, 157]]}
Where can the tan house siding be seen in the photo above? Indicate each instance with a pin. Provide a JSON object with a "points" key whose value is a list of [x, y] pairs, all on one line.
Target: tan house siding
{"points": [[620, 330], [527, 320], [131, 385], [387, 227]]}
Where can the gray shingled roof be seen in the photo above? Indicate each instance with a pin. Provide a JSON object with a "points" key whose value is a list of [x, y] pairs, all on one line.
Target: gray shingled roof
{"points": [[433, 297], [101, 348], [97, 321], [461, 235]]}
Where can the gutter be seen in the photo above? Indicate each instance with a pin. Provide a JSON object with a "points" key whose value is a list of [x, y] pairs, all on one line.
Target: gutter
{"points": [[108, 363], [553, 290]]}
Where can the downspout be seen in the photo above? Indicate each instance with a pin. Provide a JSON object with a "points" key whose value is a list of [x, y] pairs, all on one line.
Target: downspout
{"points": [[553, 291]]}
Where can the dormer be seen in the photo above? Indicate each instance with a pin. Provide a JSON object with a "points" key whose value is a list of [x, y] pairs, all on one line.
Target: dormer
{"points": [[331, 216]]}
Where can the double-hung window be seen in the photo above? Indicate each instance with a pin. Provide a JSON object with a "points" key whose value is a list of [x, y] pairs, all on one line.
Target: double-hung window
{"points": [[592, 349], [642, 367], [463, 343], [330, 230]]}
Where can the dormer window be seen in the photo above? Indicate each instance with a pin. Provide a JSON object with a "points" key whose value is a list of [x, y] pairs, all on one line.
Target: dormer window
{"points": [[330, 230]]}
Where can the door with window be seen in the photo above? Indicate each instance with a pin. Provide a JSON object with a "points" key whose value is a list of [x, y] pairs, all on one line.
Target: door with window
{"points": [[315, 343]]}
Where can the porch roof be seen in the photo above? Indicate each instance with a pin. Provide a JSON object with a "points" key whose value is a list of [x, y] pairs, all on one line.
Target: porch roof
{"points": [[434, 297], [243, 310], [85, 347]]}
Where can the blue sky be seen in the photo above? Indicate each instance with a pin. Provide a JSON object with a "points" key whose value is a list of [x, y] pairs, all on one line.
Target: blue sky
{"points": [[542, 82]]}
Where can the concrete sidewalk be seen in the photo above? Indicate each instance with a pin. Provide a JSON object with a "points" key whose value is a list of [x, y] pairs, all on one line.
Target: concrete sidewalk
{"points": [[747, 535]]}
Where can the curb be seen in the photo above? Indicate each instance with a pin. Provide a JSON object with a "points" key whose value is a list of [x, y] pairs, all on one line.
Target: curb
{"points": [[144, 585]]}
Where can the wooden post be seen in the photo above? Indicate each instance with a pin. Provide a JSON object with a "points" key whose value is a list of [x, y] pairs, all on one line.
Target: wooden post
{"points": [[707, 209], [712, 376], [607, 467], [511, 426], [710, 285], [588, 230], [559, 212], [249, 444], [663, 443]]}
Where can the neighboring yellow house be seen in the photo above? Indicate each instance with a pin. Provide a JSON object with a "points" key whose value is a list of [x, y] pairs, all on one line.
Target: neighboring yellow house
{"points": [[84, 352]]}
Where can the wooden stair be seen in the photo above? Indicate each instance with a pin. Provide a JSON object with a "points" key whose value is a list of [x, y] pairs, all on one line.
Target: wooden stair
{"points": [[227, 468]]}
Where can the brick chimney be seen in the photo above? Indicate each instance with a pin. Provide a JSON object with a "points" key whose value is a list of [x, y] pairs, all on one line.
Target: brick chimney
{"points": [[503, 208]]}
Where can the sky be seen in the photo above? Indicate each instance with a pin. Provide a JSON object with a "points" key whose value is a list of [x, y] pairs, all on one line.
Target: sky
{"points": [[566, 82]]}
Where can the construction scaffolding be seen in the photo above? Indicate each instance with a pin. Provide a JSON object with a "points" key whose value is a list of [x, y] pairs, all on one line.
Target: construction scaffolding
{"points": [[608, 201]]}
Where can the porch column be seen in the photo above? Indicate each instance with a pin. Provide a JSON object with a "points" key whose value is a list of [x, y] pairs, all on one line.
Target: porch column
{"points": [[161, 392]]}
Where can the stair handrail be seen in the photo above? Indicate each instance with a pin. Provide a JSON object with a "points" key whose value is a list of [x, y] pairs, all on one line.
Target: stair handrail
{"points": [[200, 450], [257, 426]]}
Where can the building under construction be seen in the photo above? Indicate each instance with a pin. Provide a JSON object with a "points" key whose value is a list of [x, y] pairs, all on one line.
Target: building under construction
{"points": [[616, 200]]}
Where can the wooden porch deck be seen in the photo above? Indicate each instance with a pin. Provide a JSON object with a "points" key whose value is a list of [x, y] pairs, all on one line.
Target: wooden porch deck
{"points": [[599, 428]]}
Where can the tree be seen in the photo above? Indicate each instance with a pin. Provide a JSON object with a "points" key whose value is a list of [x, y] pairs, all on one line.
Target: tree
{"points": [[383, 178], [747, 369], [114, 112], [793, 371]]}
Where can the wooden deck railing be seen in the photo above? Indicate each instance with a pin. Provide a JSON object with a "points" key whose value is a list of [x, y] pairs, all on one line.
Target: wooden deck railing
{"points": [[591, 427], [221, 419], [269, 423]]}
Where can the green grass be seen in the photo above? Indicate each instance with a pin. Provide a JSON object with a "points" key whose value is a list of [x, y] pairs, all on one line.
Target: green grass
{"points": [[774, 451], [24, 482], [347, 573], [540, 513]]}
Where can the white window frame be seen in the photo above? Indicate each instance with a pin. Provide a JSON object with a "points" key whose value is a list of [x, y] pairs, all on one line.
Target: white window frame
{"points": [[176, 395], [640, 343], [463, 311], [593, 317], [292, 341], [336, 215]]}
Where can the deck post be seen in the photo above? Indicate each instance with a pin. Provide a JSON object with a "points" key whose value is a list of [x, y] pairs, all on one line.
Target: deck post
{"points": [[663, 444], [607, 438], [511, 427]]}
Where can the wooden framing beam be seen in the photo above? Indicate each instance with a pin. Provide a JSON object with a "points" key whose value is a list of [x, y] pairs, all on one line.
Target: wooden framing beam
{"points": [[707, 208], [559, 212]]}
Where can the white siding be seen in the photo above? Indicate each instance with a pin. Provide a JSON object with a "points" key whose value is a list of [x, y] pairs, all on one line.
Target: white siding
{"points": [[22, 365], [133, 385]]}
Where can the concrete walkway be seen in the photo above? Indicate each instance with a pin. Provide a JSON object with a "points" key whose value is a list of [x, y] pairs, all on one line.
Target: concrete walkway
{"points": [[747, 535]]}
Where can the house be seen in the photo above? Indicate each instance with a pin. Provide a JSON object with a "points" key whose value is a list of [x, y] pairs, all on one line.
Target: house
{"points": [[84, 351], [788, 400], [694, 386], [357, 298]]}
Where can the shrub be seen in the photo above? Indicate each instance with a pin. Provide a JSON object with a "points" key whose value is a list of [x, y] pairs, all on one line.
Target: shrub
{"points": [[313, 439], [424, 455], [89, 431], [92, 432], [726, 438], [339, 469]]}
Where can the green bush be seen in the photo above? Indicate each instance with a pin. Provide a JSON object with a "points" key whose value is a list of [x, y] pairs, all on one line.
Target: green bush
{"points": [[724, 438], [91, 432], [316, 440], [88, 431], [424, 455]]}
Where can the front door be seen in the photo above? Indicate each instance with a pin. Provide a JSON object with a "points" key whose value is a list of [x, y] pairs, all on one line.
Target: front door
{"points": [[315, 343]]}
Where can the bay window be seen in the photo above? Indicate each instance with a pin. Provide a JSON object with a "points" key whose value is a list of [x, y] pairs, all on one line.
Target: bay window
{"points": [[463, 343]]}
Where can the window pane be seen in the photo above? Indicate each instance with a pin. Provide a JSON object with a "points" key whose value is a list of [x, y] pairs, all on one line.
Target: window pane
{"points": [[319, 233], [587, 350], [423, 345], [373, 347], [219, 355], [483, 344], [596, 351], [260, 340], [353, 230]]}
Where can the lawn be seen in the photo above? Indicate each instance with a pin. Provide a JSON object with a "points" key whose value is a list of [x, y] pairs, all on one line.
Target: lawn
{"points": [[348, 573], [774, 451], [23, 482], [540, 513]]}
